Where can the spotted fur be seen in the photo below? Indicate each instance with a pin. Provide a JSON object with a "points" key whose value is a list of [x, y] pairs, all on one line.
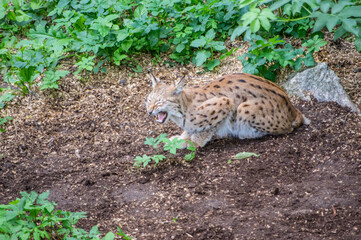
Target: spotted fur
{"points": [[237, 105]]}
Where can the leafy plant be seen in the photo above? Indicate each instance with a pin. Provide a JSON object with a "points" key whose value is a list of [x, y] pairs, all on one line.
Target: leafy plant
{"points": [[169, 145], [34, 217], [3, 121]]}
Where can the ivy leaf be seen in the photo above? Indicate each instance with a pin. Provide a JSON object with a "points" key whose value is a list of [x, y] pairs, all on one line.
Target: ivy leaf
{"points": [[201, 57]]}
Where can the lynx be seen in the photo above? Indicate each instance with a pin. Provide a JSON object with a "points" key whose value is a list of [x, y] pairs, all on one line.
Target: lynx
{"points": [[235, 105]]}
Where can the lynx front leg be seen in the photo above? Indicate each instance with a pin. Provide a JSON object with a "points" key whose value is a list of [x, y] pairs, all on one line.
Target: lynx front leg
{"points": [[202, 138], [203, 124]]}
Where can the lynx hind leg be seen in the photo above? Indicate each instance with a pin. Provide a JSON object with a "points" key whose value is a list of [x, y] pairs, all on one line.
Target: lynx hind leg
{"points": [[264, 117]]}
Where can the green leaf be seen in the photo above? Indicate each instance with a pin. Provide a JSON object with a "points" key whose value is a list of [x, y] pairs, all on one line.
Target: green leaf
{"points": [[349, 25], [244, 3], [331, 23], [211, 34], [266, 12], [109, 236], [309, 61], [237, 32], [119, 57], [298, 63], [358, 44], [338, 7], [140, 11], [198, 43], [138, 69], [121, 35], [339, 33], [248, 18], [278, 4], [6, 97], [42, 197], [325, 6], [243, 155], [212, 64], [142, 160], [158, 158], [189, 157], [180, 47], [173, 145], [352, 11], [255, 25], [321, 21], [51, 78], [202, 57], [265, 23], [151, 141], [125, 45]]}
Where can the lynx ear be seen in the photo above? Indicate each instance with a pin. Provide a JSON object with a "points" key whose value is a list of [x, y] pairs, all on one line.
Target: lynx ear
{"points": [[154, 79], [179, 86]]}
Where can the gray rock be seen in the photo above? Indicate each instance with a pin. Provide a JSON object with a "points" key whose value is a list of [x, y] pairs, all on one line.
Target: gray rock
{"points": [[322, 83]]}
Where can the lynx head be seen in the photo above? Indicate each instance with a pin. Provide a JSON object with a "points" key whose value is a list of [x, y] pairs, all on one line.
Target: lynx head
{"points": [[163, 101]]}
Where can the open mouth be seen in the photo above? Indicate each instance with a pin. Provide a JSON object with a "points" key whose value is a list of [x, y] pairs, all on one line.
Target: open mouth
{"points": [[162, 116]]}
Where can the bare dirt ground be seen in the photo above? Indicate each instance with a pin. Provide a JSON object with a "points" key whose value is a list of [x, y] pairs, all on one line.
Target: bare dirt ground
{"points": [[80, 142]]}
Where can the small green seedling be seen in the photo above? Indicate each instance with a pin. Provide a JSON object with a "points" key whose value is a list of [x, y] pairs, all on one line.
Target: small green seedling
{"points": [[169, 145]]}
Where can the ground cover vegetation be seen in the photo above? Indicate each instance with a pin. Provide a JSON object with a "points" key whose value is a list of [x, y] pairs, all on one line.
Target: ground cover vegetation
{"points": [[34, 217], [37, 35]]}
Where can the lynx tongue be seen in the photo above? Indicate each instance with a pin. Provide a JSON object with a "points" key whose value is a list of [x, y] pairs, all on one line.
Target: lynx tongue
{"points": [[162, 116]]}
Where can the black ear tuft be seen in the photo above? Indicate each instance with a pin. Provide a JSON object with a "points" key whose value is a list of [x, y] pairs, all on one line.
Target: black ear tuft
{"points": [[154, 79]]}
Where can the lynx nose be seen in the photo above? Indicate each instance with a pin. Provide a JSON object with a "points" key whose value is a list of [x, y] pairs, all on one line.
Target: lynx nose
{"points": [[150, 112]]}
